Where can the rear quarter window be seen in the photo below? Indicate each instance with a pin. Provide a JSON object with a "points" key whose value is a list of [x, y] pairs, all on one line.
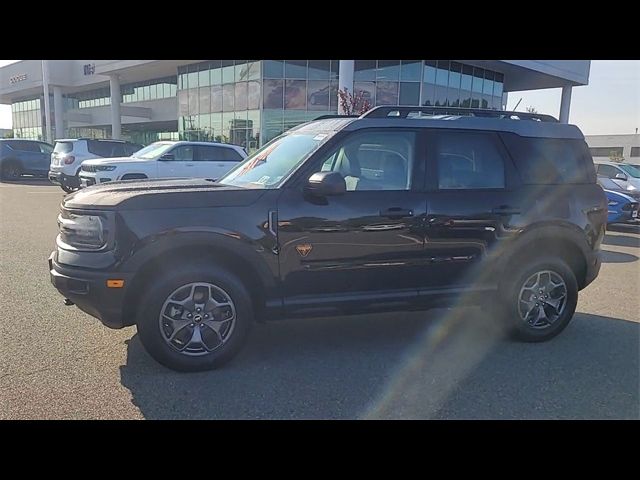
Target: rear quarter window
{"points": [[63, 147], [230, 155], [551, 160], [105, 148]]}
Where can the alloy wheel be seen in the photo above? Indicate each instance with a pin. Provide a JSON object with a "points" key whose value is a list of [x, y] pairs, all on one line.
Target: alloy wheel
{"points": [[197, 318]]}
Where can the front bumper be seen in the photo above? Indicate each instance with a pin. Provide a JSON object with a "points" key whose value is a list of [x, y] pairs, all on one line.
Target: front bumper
{"points": [[89, 292], [60, 178]]}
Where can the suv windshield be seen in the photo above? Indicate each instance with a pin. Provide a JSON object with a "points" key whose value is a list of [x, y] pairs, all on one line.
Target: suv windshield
{"points": [[153, 151], [631, 170], [269, 166]]}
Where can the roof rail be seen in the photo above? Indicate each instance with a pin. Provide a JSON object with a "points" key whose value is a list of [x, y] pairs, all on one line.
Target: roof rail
{"points": [[325, 117], [404, 111]]}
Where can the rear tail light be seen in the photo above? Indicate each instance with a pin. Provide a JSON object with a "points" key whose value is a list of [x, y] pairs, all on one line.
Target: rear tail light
{"points": [[69, 160]]}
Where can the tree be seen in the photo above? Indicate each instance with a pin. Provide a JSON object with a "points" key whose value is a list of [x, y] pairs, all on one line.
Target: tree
{"points": [[353, 104], [614, 156]]}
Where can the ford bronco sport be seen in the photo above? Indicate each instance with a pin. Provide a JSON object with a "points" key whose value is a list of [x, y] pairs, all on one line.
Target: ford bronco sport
{"points": [[402, 208]]}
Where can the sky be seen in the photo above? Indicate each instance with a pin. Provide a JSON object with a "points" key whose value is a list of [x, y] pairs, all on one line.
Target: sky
{"points": [[610, 104]]}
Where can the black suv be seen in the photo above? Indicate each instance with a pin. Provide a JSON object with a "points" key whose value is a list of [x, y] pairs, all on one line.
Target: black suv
{"points": [[402, 208]]}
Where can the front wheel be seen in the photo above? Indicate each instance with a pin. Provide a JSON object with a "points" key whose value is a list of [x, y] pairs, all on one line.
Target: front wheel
{"points": [[195, 318], [67, 188], [539, 299]]}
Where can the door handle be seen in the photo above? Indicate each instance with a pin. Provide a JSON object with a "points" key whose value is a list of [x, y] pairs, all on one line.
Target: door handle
{"points": [[189, 165], [396, 212], [505, 210]]}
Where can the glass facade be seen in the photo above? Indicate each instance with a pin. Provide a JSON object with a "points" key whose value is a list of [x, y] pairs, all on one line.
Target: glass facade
{"points": [[219, 100], [249, 102], [26, 117], [452, 84], [131, 92]]}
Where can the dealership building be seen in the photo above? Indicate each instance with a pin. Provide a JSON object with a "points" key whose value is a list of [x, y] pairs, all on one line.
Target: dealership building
{"points": [[249, 102]]}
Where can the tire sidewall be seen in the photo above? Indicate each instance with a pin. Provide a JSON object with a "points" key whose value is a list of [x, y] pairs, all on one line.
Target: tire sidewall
{"points": [[510, 292], [152, 301]]}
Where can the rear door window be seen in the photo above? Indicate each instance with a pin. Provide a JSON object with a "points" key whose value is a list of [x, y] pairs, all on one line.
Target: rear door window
{"points": [[102, 149], [209, 154], [468, 160], [118, 150]]}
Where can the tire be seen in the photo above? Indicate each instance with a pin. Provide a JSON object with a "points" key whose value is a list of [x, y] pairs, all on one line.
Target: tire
{"points": [[155, 336], [518, 292], [67, 188], [10, 171]]}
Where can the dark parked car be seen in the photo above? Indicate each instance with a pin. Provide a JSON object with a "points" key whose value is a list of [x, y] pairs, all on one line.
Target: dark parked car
{"points": [[398, 209], [19, 157]]}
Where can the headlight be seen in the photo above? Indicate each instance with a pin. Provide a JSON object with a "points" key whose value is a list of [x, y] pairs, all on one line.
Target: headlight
{"points": [[612, 203], [82, 231], [105, 168]]}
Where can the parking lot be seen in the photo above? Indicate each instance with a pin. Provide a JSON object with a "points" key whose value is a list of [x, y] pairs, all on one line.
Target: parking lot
{"points": [[57, 362]]}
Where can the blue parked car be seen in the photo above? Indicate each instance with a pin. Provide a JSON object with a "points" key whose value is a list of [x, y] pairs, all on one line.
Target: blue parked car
{"points": [[622, 207], [19, 157]]}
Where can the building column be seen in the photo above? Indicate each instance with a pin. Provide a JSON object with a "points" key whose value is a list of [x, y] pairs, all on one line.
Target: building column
{"points": [[345, 79], [47, 106], [58, 111], [565, 104], [114, 86]]}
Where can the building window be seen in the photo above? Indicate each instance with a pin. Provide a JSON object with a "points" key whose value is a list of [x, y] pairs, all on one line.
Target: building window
{"points": [[635, 152], [608, 152]]}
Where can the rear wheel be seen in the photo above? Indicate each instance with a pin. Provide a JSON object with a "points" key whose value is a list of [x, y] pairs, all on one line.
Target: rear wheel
{"points": [[195, 318], [11, 171], [540, 299]]}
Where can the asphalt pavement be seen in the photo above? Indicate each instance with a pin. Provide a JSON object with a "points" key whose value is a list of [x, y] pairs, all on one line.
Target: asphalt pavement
{"points": [[57, 362]]}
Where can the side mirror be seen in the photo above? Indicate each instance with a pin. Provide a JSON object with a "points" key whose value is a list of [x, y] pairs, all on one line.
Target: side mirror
{"points": [[167, 157], [620, 176], [324, 184]]}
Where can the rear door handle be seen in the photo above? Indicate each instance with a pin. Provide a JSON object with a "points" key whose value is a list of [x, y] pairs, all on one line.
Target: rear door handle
{"points": [[505, 210], [396, 212]]}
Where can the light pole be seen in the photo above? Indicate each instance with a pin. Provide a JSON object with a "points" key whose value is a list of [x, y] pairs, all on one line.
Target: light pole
{"points": [[47, 110]]}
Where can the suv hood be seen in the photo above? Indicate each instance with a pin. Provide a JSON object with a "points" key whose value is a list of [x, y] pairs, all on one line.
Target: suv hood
{"points": [[108, 161], [160, 194]]}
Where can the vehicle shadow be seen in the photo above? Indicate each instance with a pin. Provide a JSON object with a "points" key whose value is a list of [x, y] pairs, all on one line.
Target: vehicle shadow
{"points": [[622, 227], [405, 365], [609, 256], [621, 240], [28, 181]]}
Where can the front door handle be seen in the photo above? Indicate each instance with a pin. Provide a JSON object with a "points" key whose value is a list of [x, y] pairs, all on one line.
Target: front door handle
{"points": [[396, 212], [505, 210]]}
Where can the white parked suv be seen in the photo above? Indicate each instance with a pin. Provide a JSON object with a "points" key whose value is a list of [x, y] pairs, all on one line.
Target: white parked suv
{"points": [[165, 159], [68, 154]]}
